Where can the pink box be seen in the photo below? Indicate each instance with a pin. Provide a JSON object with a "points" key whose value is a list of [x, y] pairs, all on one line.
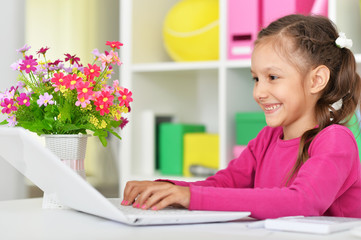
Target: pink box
{"points": [[274, 9], [244, 21], [247, 17], [237, 150]]}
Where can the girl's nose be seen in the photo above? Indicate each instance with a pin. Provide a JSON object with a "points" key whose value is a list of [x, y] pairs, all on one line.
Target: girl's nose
{"points": [[260, 91]]}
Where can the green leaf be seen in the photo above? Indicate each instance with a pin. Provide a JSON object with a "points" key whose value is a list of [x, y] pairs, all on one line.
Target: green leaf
{"points": [[115, 133], [115, 124], [4, 122], [103, 140], [102, 135], [66, 112]]}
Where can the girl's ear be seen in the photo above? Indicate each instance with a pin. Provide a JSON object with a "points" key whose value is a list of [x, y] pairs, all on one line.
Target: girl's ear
{"points": [[319, 78]]}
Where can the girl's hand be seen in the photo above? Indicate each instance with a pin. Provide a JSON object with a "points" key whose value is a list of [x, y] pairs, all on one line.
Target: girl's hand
{"points": [[155, 195]]}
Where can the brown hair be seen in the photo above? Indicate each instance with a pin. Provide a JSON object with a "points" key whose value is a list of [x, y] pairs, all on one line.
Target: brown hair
{"points": [[312, 41]]}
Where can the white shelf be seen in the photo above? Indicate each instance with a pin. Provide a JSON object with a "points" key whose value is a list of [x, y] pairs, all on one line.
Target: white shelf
{"points": [[185, 66], [244, 63], [174, 66]]}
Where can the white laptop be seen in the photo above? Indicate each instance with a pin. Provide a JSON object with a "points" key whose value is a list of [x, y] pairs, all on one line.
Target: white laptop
{"points": [[27, 154]]}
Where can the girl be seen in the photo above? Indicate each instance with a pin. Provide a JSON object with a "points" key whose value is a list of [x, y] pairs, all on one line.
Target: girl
{"points": [[305, 162]]}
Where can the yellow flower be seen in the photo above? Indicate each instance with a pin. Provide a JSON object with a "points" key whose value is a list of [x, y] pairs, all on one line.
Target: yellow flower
{"points": [[87, 108], [103, 124], [62, 89], [124, 109], [81, 75], [93, 120]]}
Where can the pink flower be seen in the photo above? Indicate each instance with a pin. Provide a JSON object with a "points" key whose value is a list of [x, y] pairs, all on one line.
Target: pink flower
{"points": [[11, 121], [96, 52], [84, 90], [60, 82], [8, 106], [72, 80], [92, 71], [28, 65], [42, 50], [105, 59], [103, 101], [72, 58], [106, 97], [83, 102], [23, 99], [45, 99], [115, 58], [101, 107], [114, 44], [116, 86], [58, 78], [125, 97], [20, 85], [16, 65], [124, 122], [24, 49]]}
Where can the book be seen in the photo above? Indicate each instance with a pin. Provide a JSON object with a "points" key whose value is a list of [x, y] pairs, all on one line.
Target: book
{"points": [[316, 224], [148, 144]]}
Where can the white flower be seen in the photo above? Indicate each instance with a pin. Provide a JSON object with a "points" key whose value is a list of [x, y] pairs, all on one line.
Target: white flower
{"points": [[342, 41]]}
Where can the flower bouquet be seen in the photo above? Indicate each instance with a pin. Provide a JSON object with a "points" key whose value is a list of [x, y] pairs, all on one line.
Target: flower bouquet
{"points": [[66, 97]]}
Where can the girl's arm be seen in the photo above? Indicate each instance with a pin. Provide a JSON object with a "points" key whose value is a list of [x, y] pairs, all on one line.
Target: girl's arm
{"points": [[162, 193], [330, 171]]}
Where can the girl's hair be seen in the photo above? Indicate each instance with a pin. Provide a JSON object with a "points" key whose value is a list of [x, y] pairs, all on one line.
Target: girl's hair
{"points": [[308, 42]]}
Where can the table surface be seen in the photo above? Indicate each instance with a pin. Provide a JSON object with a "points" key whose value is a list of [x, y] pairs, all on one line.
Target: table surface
{"points": [[25, 219]]}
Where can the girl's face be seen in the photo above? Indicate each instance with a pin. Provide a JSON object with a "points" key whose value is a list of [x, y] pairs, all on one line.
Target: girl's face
{"points": [[281, 92]]}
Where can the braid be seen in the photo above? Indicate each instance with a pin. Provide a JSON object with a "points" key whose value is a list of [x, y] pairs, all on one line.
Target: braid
{"points": [[313, 39]]}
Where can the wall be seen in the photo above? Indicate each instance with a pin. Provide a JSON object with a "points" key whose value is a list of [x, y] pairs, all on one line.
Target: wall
{"points": [[65, 26], [12, 37]]}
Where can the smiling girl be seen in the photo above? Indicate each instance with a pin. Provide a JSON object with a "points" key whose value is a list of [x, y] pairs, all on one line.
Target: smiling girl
{"points": [[306, 161]]}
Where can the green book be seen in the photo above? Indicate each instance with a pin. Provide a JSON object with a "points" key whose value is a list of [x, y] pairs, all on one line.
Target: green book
{"points": [[354, 126], [248, 125], [171, 146]]}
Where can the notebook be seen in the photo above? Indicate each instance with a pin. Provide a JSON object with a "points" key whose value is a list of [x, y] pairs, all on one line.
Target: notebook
{"points": [[315, 224], [27, 154]]}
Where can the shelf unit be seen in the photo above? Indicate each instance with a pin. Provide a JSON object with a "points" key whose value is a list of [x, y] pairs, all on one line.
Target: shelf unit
{"points": [[195, 92]]}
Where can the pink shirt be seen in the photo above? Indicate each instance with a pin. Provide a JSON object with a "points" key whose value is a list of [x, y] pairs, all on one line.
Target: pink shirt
{"points": [[328, 183]]}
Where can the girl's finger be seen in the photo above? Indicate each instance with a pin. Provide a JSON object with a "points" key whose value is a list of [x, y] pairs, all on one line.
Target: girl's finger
{"points": [[131, 191], [164, 202], [149, 191], [156, 197]]}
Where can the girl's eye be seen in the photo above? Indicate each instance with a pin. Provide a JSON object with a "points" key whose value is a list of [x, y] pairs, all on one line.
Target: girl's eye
{"points": [[272, 77], [255, 79]]}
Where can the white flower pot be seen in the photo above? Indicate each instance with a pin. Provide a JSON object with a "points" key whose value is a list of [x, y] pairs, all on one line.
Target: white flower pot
{"points": [[71, 149]]}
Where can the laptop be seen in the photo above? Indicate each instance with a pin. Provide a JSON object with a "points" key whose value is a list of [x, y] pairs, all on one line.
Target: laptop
{"points": [[28, 155]]}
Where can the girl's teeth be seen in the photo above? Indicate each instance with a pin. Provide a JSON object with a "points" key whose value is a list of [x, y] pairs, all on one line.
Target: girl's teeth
{"points": [[271, 108]]}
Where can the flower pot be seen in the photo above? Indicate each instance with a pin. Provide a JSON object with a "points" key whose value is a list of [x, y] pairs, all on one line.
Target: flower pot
{"points": [[71, 150]]}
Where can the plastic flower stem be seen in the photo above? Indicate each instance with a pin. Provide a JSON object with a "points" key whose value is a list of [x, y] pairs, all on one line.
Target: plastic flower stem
{"points": [[102, 74], [36, 83], [27, 81]]}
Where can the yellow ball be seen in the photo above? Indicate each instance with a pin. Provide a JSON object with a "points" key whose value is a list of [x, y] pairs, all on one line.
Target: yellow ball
{"points": [[191, 30]]}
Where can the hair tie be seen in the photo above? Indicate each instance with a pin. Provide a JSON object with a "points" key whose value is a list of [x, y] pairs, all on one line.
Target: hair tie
{"points": [[343, 42]]}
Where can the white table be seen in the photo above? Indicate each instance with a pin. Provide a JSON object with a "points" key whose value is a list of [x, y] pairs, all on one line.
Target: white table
{"points": [[25, 219]]}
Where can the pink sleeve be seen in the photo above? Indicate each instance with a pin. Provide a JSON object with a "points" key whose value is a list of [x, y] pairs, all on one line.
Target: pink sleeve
{"points": [[333, 167]]}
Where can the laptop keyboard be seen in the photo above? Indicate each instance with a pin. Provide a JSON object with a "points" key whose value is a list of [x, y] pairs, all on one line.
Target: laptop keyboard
{"points": [[130, 210]]}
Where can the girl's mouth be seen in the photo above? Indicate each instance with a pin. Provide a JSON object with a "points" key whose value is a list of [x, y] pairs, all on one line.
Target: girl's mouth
{"points": [[272, 107]]}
